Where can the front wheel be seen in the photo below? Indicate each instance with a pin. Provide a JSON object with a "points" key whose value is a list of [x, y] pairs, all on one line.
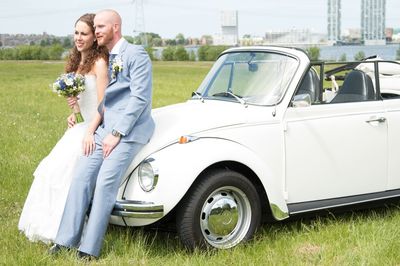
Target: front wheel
{"points": [[221, 210]]}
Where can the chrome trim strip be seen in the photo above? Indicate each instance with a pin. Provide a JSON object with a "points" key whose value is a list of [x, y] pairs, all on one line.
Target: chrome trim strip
{"points": [[295, 208], [143, 215], [137, 209]]}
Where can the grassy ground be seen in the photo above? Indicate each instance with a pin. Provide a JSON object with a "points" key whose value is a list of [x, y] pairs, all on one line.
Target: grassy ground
{"points": [[32, 119]]}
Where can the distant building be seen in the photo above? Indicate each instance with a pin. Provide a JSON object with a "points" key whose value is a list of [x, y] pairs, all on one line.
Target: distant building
{"points": [[389, 34], [396, 35], [352, 35], [229, 29], [396, 38], [206, 40], [294, 37], [373, 15], [334, 19], [249, 40]]}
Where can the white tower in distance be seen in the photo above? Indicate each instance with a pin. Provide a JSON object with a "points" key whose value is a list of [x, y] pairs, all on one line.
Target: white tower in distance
{"points": [[373, 15], [230, 29], [334, 19]]}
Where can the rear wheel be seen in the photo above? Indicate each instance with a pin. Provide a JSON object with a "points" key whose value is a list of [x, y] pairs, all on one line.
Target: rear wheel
{"points": [[222, 210]]}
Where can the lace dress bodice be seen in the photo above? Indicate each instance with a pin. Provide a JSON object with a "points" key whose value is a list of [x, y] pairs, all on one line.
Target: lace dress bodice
{"points": [[88, 99]]}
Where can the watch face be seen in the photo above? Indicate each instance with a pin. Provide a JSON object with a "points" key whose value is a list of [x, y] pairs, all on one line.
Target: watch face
{"points": [[115, 133]]}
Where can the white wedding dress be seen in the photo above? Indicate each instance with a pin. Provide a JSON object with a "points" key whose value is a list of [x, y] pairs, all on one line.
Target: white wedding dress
{"points": [[44, 206]]}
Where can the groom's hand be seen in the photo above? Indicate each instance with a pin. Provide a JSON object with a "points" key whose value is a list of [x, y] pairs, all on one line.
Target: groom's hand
{"points": [[109, 143]]}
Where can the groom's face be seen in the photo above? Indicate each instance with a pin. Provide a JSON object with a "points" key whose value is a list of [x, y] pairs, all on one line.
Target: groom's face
{"points": [[104, 30]]}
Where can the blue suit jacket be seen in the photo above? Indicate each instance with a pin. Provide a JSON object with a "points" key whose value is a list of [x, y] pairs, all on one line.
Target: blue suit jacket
{"points": [[126, 106]]}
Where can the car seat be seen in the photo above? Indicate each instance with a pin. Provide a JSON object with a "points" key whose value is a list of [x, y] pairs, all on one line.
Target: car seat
{"points": [[310, 85], [357, 87]]}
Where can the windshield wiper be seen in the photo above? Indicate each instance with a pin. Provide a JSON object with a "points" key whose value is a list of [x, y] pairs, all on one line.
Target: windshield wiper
{"points": [[229, 93], [237, 98], [198, 95]]}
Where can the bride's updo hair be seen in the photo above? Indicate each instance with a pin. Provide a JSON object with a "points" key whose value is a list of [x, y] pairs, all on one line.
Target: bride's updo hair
{"points": [[94, 53]]}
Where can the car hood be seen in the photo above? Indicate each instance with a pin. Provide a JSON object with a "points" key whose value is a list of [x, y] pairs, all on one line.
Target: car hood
{"points": [[189, 118]]}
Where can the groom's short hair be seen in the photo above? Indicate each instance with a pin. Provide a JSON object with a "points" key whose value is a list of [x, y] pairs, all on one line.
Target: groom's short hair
{"points": [[113, 16]]}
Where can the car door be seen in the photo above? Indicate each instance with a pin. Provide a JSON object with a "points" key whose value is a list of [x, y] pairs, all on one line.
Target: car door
{"points": [[393, 119], [389, 82], [335, 150]]}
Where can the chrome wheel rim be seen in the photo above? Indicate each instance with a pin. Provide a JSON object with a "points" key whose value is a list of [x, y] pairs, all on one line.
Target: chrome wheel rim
{"points": [[225, 217]]}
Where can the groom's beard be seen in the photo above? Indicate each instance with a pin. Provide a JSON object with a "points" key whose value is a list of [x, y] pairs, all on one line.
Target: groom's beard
{"points": [[105, 38]]}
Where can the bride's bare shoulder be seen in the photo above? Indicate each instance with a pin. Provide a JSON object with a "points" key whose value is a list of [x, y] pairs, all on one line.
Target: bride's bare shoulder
{"points": [[101, 63], [100, 66]]}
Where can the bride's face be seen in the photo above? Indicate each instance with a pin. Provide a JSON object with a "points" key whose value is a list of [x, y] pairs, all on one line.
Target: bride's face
{"points": [[83, 37]]}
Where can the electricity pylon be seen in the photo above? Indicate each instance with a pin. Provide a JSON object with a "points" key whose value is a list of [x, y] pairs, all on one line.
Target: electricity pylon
{"points": [[139, 21]]}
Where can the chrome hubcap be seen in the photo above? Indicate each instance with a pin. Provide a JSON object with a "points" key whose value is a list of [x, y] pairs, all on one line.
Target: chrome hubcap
{"points": [[222, 217], [225, 217]]}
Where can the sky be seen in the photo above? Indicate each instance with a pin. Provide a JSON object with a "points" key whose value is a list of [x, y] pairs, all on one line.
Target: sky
{"points": [[192, 18]]}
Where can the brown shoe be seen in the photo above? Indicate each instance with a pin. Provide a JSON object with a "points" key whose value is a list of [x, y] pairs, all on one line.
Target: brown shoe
{"points": [[85, 256], [56, 249]]}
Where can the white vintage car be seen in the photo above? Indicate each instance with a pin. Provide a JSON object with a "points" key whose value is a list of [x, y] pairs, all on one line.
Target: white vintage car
{"points": [[268, 134]]}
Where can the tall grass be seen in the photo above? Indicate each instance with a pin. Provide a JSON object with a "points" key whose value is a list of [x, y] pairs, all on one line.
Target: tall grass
{"points": [[32, 119]]}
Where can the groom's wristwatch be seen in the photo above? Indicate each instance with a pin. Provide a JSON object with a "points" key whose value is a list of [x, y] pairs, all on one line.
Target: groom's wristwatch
{"points": [[115, 133]]}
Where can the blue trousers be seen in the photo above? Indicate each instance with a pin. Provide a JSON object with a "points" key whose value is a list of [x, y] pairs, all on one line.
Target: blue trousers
{"points": [[99, 179]]}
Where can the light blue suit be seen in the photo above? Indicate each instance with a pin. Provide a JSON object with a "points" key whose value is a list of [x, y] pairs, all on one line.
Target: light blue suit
{"points": [[126, 108]]}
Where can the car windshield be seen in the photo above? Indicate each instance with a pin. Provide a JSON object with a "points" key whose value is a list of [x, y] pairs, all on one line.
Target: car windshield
{"points": [[249, 77]]}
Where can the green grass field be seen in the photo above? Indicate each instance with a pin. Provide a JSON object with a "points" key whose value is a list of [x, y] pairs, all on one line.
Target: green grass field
{"points": [[32, 119]]}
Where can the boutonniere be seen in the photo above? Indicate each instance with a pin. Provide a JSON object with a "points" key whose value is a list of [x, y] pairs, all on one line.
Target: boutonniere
{"points": [[116, 66]]}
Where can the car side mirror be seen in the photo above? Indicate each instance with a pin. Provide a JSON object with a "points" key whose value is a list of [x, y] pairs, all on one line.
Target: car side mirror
{"points": [[301, 100]]}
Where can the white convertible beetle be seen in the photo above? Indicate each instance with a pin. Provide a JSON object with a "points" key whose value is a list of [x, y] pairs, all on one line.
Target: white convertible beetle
{"points": [[268, 134]]}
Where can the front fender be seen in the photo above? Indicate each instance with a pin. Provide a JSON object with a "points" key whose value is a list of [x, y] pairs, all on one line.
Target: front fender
{"points": [[180, 164]]}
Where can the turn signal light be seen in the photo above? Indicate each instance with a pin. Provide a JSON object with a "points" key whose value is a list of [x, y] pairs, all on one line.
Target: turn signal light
{"points": [[186, 139]]}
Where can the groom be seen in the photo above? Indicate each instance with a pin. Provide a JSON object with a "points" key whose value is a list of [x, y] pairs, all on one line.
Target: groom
{"points": [[126, 126]]}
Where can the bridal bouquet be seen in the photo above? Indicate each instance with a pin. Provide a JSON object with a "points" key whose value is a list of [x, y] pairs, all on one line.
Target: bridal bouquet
{"points": [[70, 85]]}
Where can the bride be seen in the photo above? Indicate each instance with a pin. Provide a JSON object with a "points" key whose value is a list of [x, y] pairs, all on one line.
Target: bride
{"points": [[44, 206]]}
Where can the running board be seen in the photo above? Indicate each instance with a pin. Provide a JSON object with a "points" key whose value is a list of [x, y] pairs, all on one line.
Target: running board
{"points": [[309, 206]]}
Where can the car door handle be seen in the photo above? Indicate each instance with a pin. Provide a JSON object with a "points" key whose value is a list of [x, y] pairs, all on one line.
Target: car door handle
{"points": [[379, 120]]}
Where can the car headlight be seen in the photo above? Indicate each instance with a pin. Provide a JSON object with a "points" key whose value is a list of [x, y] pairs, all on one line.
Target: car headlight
{"points": [[148, 175]]}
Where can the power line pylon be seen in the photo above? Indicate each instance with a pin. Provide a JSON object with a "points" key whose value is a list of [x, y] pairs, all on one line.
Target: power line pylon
{"points": [[139, 21]]}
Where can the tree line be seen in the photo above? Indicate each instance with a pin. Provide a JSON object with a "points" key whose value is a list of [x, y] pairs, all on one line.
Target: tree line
{"points": [[56, 48], [314, 53], [32, 52], [57, 52], [50, 48], [204, 53]]}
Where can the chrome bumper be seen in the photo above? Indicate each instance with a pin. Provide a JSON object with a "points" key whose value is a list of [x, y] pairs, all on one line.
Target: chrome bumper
{"points": [[137, 209]]}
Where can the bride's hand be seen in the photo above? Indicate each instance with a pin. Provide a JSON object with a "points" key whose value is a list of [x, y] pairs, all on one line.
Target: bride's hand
{"points": [[71, 120], [72, 101], [88, 144]]}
